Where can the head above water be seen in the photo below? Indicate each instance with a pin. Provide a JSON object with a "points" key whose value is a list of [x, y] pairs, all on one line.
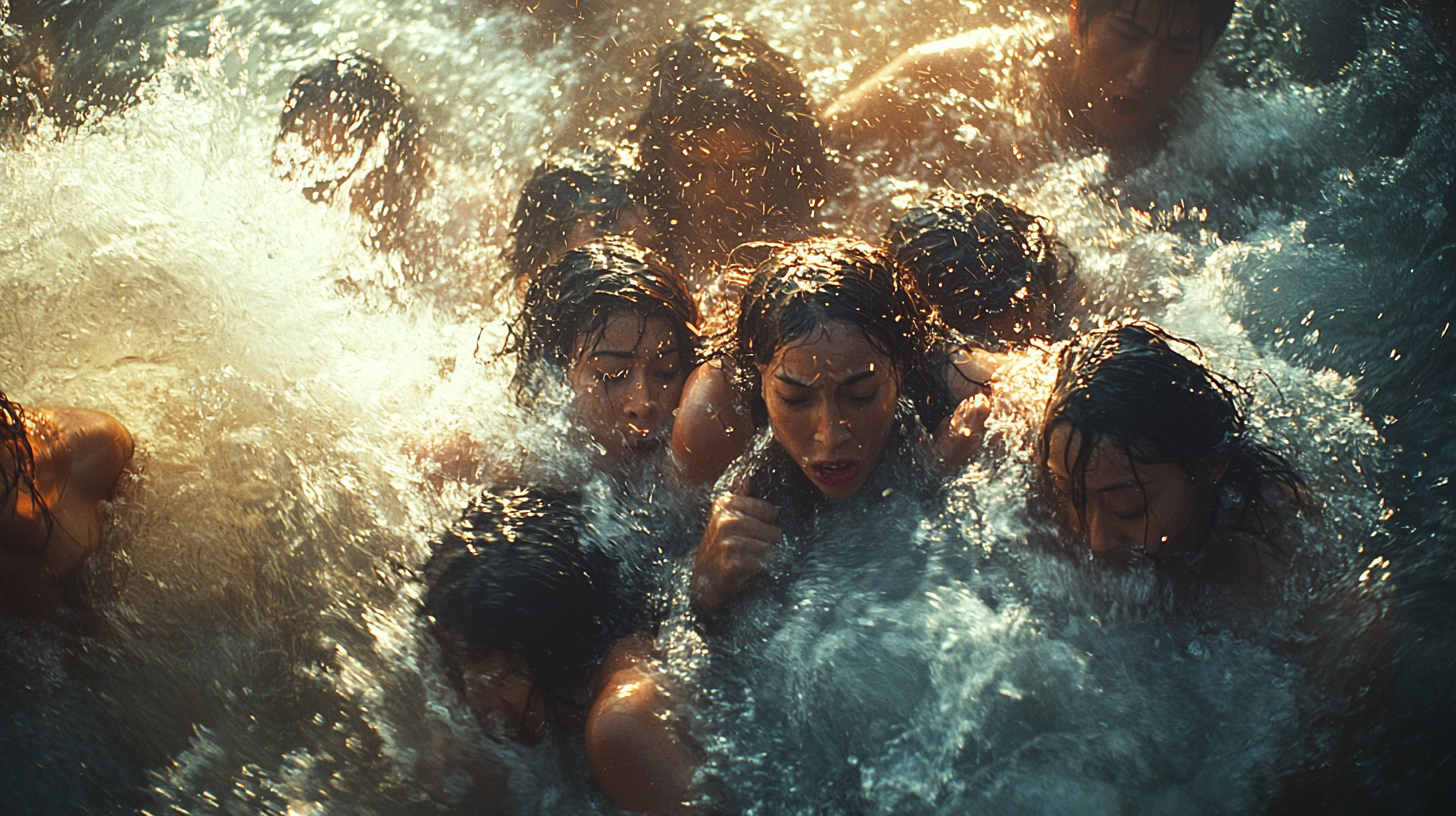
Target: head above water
{"points": [[619, 323], [1133, 57], [346, 122], [523, 611], [573, 198], [817, 284], [1139, 441], [729, 134], [992, 269]]}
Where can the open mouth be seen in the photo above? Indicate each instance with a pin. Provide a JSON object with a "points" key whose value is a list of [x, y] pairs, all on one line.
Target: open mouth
{"points": [[835, 472], [645, 446]]}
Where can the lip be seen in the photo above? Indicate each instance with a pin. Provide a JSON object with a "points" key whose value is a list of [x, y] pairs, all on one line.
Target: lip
{"points": [[834, 472], [1125, 110]]}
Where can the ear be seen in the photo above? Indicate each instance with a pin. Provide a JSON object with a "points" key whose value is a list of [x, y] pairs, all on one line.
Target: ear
{"points": [[1072, 21]]}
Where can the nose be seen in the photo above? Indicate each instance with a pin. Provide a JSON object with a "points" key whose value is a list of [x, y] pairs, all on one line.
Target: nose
{"points": [[1143, 70], [1104, 534], [639, 403], [830, 429]]}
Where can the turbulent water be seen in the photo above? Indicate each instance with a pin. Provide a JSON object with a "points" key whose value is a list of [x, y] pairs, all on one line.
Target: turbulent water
{"points": [[252, 646]]}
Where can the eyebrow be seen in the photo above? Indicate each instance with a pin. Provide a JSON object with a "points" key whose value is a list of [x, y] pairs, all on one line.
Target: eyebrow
{"points": [[1188, 36], [1119, 486], [628, 354], [863, 375]]}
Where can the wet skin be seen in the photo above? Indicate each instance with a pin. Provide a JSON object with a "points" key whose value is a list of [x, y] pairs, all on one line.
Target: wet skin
{"points": [[831, 401], [1134, 508], [1130, 63], [628, 385]]}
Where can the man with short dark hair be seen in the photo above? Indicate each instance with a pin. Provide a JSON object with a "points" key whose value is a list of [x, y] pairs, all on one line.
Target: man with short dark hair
{"points": [[1109, 82]]}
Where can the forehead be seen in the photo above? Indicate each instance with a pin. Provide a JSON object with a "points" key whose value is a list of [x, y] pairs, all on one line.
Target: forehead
{"points": [[836, 350], [628, 331], [1170, 18]]}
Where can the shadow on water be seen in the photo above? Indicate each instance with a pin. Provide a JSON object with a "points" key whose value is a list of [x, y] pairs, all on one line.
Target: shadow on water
{"points": [[250, 643]]}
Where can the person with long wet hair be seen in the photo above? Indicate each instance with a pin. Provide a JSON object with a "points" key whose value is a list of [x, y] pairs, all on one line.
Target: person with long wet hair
{"points": [[619, 325], [805, 290], [731, 148], [525, 611], [1148, 455], [573, 198], [349, 132], [994, 271], [57, 468]]}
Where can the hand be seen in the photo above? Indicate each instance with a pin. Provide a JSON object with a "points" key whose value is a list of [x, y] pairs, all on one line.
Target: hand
{"points": [[736, 544], [959, 438]]}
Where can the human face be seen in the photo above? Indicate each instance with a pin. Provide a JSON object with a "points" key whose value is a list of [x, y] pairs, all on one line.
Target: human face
{"points": [[1133, 508], [720, 173], [628, 385], [1131, 62], [501, 684], [831, 401], [630, 222]]}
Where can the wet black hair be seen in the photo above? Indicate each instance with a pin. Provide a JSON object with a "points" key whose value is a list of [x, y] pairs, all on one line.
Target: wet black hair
{"points": [[1213, 15], [569, 185], [17, 474], [1129, 386], [804, 285], [984, 263], [358, 92], [570, 302], [721, 73], [511, 575]]}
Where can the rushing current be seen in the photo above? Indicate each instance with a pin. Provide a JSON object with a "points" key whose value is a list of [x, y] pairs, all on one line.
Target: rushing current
{"points": [[253, 644]]}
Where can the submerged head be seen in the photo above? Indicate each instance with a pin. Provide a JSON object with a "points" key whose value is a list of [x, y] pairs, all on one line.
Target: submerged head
{"points": [[730, 146], [575, 197], [830, 336], [621, 326], [1139, 442], [990, 268], [523, 612], [1134, 56], [348, 125]]}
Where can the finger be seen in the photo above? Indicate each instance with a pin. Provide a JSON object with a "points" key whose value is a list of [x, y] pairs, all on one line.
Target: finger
{"points": [[743, 527], [752, 508]]}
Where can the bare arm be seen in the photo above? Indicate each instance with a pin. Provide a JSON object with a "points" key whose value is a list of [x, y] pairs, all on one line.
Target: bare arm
{"points": [[79, 456], [897, 101], [712, 428]]}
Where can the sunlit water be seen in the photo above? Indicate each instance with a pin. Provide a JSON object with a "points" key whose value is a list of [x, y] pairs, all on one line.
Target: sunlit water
{"points": [[253, 645]]}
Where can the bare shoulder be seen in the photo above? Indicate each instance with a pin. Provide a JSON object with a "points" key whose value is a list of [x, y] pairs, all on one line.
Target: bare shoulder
{"points": [[712, 427]]}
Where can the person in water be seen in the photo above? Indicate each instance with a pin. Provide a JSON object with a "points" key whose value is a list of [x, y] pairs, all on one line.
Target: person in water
{"points": [[619, 324], [866, 299], [994, 271], [575, 197], [1109, 80], [27, 64], [524, 613], [731, 149], [349, 133], [57, 468], [1147, 455]]}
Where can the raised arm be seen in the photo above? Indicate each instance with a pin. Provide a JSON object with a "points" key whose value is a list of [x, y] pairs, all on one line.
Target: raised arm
{"points": [[898, 100]]}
